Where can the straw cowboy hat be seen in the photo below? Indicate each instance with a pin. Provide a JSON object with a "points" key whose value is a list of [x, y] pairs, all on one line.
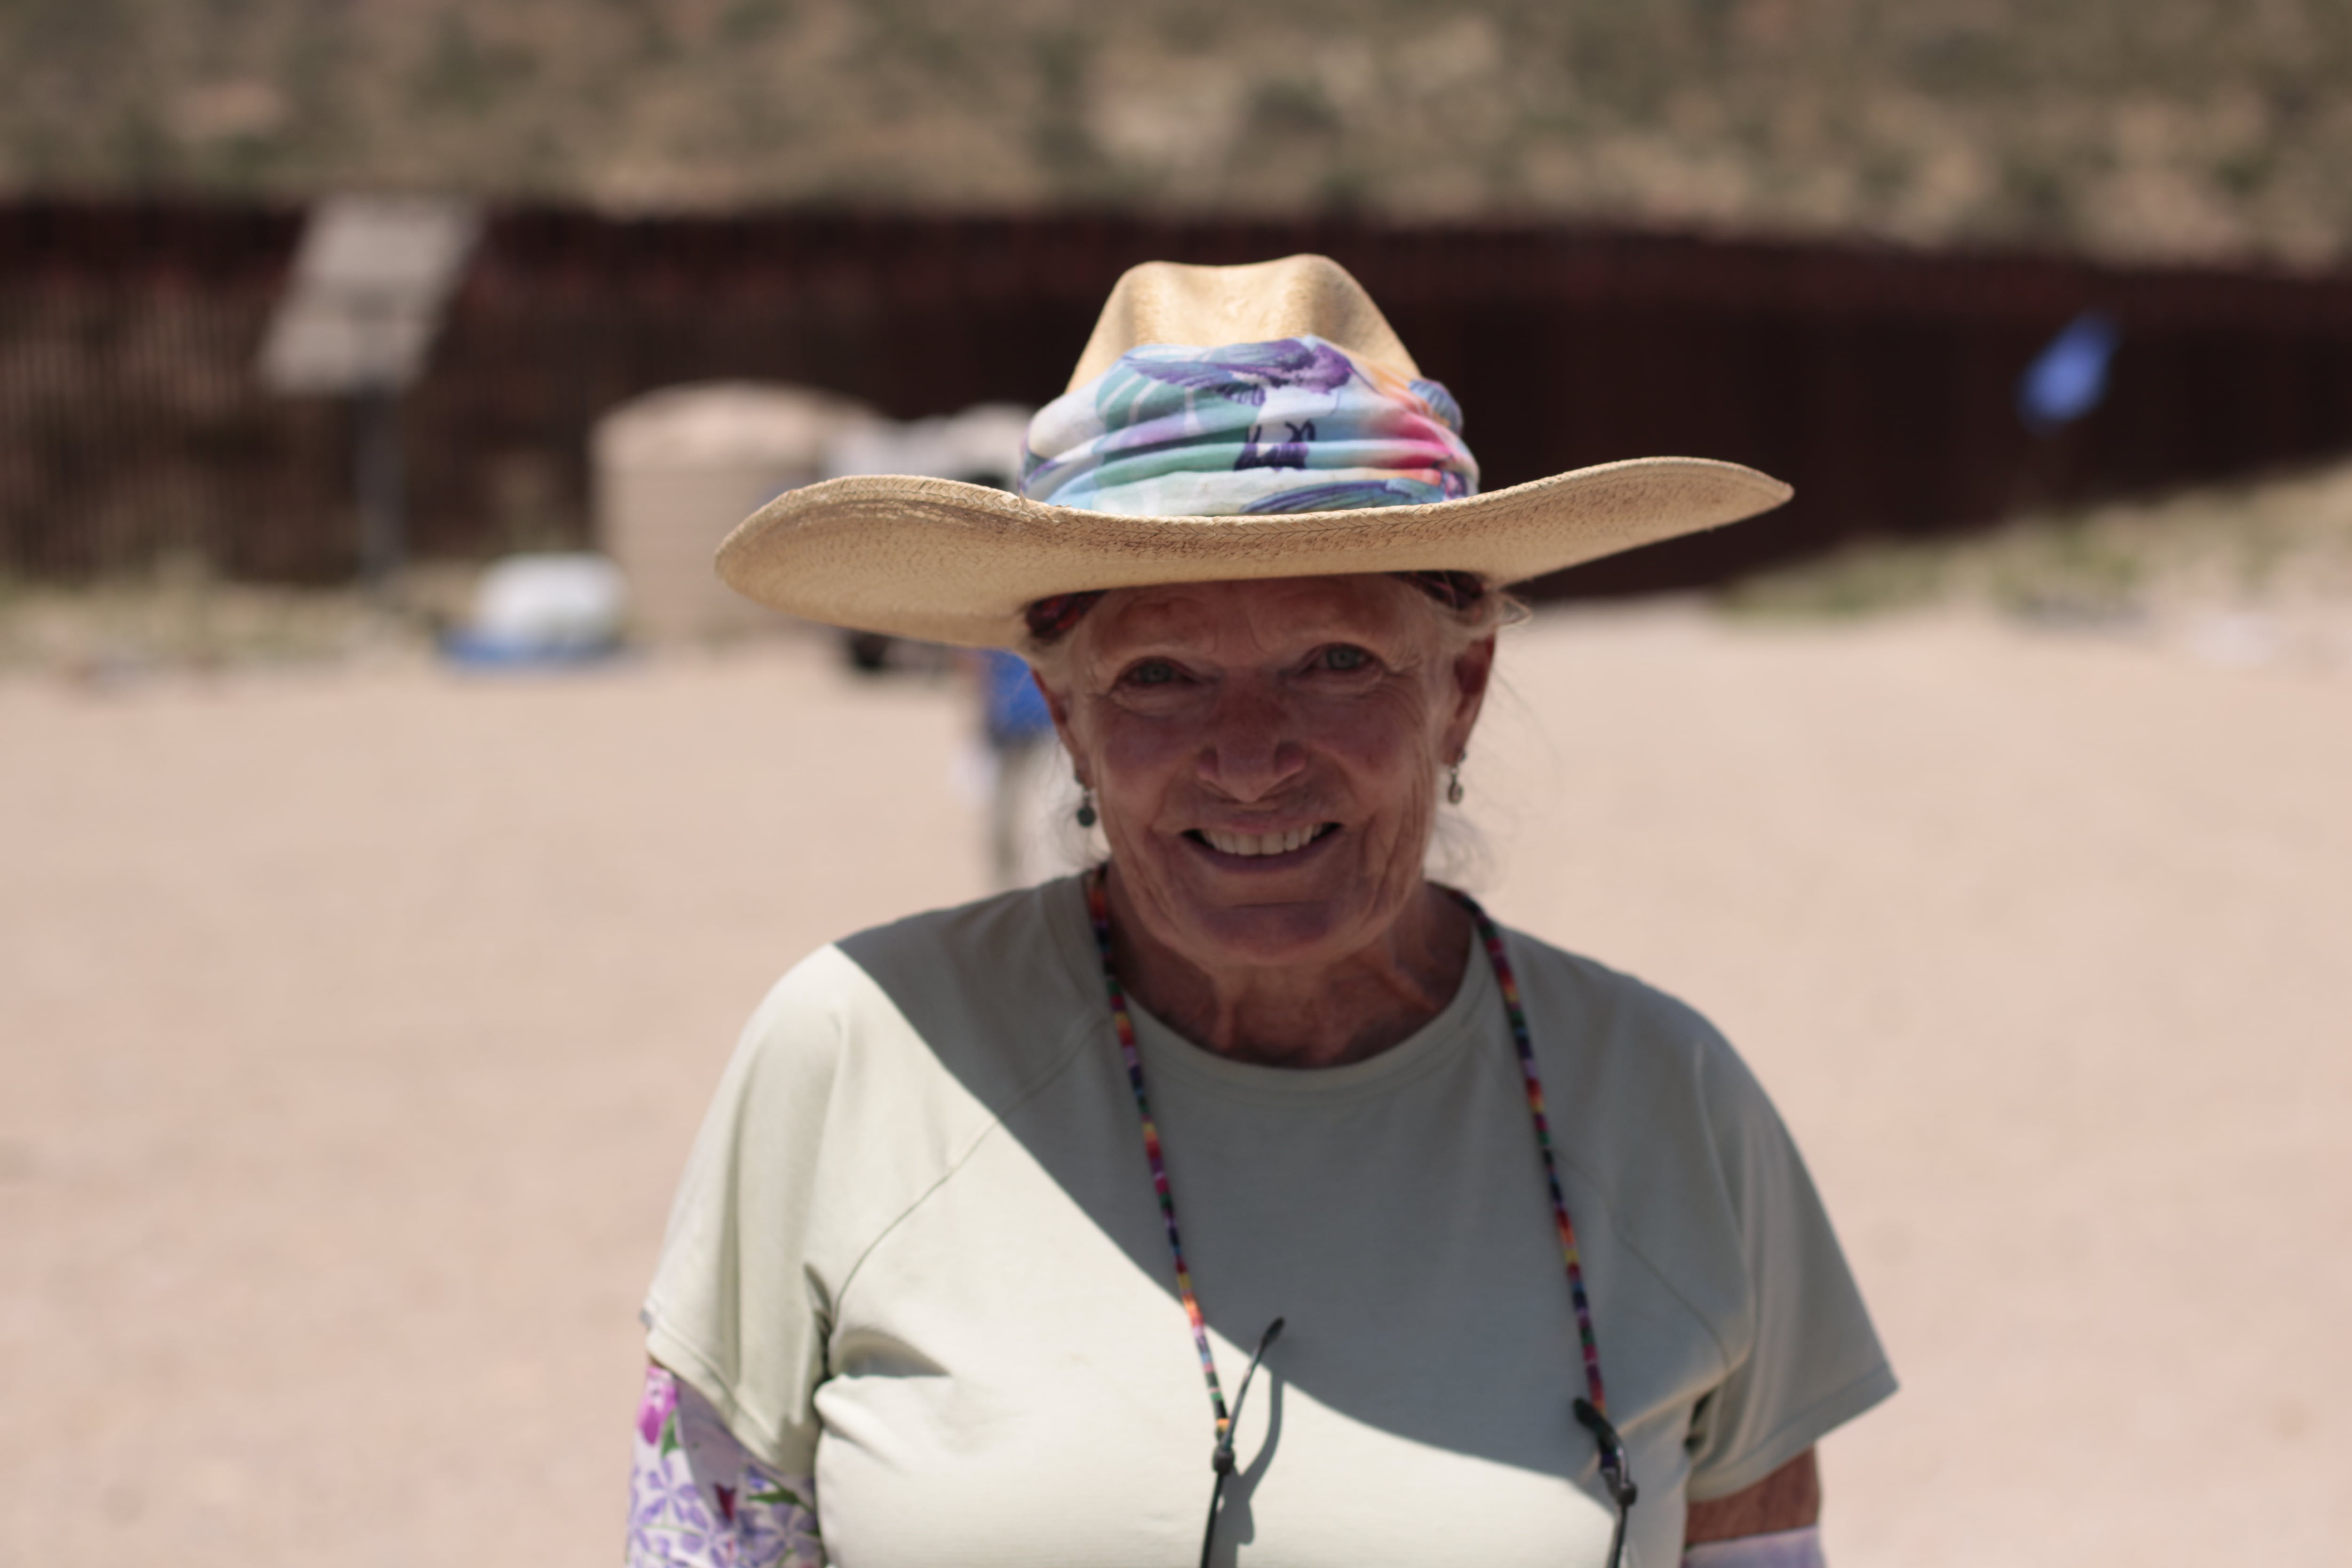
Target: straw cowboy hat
{"points": [[953, 563]]}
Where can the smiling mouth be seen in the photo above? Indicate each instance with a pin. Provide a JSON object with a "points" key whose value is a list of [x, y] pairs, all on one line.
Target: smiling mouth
{"points": [[1257, 845]]}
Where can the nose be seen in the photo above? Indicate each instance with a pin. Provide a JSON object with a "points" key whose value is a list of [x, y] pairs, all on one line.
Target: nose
{"points": [[1253, 750]]}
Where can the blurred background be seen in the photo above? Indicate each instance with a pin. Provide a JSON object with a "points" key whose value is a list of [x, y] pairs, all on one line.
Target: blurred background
{"points": [[396, 820]]}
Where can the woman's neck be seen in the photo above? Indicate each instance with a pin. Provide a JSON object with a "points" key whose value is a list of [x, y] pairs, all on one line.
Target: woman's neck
{"points": [[1300, 1016]]}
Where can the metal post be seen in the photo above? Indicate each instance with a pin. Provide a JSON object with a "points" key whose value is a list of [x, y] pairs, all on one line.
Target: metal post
{"points": [[375, 414], [371, 282]]}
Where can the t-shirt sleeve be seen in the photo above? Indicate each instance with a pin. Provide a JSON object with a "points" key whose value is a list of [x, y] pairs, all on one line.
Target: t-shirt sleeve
{"points": [[736, 1309], [1810, 1360]]}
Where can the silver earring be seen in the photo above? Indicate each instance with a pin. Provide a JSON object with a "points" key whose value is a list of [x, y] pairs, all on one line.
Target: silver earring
{"points": [[1453, 785], [1087, 817]]}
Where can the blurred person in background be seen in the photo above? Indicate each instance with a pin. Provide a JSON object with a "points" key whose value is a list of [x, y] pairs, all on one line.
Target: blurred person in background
{"points": [[1001, 1213], [1025, 763]]}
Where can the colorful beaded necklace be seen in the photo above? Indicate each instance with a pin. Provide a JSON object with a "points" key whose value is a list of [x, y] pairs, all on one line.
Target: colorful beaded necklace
{"points": [[1590, 1411]]}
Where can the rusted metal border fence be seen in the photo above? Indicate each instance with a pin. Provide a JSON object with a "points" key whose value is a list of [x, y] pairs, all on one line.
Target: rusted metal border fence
{"points": [[1879, 382]]}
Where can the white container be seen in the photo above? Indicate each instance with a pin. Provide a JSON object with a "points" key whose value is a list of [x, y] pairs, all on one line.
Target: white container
{"points": [[548, 605], [675, 471]]}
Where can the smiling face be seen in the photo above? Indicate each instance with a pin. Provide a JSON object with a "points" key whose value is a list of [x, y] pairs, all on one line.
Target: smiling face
{"points": [[1265, 757]]}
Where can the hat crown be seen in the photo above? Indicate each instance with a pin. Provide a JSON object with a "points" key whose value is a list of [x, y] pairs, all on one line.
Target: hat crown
{"points": [[1298, 296]]}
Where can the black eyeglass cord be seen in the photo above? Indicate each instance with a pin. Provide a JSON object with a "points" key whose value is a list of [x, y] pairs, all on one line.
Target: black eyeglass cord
{"points": [[1221, 1460], [1614, 1474]]}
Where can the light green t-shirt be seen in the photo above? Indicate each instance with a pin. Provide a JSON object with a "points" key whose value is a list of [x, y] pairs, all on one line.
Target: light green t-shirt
{"points": [[917, 1254]]}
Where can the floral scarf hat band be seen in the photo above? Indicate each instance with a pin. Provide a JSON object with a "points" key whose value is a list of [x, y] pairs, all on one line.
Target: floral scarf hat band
{"points": [[1295, 425]]}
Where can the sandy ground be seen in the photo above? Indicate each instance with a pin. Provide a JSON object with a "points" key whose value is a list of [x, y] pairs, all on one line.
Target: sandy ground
{"points": [[352, 1026]]}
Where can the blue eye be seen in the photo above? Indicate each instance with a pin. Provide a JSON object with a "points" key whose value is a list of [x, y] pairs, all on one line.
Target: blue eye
{"points": [[1151, 672], [1345, 656]]}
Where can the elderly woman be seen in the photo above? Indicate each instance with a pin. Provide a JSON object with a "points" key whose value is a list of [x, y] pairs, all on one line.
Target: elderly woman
{"points": [[999, 1210]]}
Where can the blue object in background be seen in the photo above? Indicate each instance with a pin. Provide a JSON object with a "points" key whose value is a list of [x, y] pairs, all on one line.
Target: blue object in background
{"points": [[473, 650], [1014, 709], [2069, 378], [535, 611]]}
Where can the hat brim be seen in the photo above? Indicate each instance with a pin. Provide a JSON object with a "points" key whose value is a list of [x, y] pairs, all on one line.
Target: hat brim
{"points": [[952, 562]]}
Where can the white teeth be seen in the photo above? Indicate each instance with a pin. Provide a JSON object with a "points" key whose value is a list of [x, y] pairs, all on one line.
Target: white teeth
{"points": [[1259, 843]]}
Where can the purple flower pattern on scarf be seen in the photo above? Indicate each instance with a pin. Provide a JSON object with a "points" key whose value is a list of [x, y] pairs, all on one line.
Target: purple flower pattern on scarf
{"points": [[697, 1500], [659, 1404], [1295, 425], [1243, 372]]}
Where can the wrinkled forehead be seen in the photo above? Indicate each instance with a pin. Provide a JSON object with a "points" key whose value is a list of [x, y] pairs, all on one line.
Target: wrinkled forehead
{"points": [[1268, 613]]}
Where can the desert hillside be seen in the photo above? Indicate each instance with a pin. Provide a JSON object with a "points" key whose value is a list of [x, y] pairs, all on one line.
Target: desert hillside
{"points": [[2206, 129]]}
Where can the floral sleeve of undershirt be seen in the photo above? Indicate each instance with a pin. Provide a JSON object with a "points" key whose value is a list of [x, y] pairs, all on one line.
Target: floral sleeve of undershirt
{"points": [[698, 1500]]}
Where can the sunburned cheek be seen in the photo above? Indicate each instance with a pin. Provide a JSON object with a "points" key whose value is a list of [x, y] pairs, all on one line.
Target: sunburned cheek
{"points": [[1406, 838], [1397, 718], [1387, 761], [1137, 766], [1370, 754]]}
